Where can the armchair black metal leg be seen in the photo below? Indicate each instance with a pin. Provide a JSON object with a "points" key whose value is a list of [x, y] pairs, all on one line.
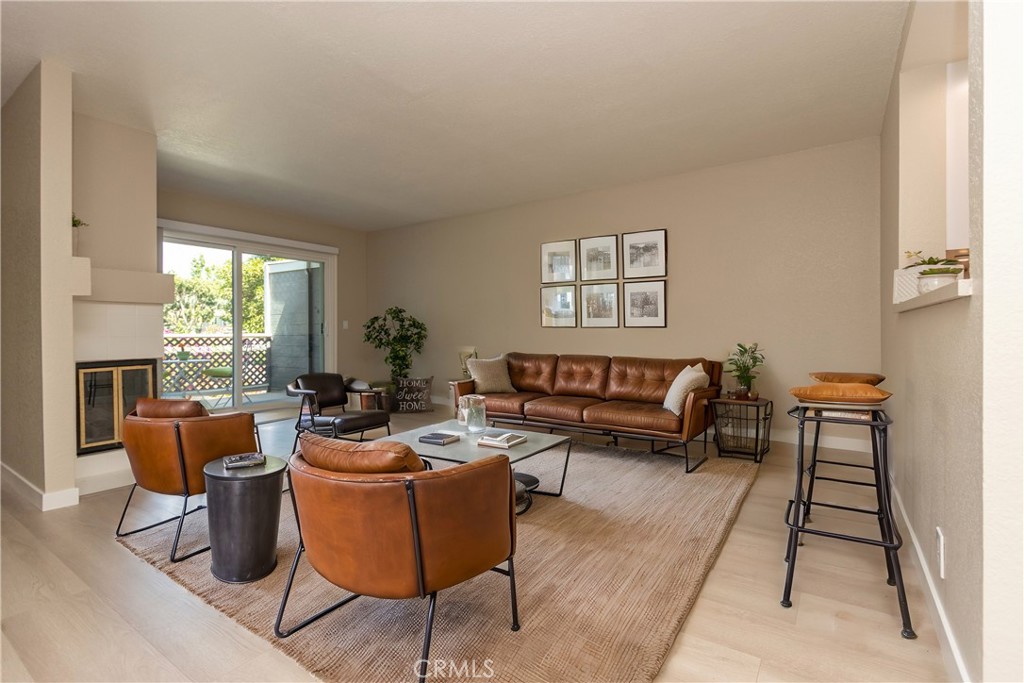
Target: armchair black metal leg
{"points": [[426, 638], [295, 443], [284, 601], [121, 534], [512, 585], [177, 535]]}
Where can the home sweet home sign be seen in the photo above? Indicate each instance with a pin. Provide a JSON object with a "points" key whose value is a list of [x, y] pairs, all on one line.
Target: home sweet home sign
{"points": [[412, 394]]}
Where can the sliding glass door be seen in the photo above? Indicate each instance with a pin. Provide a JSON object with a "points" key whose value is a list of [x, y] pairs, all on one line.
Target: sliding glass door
{"points": [[244, 323]]}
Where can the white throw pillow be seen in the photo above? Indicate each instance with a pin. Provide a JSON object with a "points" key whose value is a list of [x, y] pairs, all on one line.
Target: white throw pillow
{"points": [[490, 375], [686, 381]]}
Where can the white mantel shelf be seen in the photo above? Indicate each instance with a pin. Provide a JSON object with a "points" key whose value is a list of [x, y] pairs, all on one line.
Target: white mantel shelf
{"points": [[128, 287], [950, 292]]}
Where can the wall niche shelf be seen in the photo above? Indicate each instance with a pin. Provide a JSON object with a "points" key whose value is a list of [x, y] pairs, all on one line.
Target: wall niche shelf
{"points": [[955, 290]]}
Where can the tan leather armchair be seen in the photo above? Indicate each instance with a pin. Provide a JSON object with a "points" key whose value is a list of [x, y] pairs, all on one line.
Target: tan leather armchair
{"points": [[374, 522], [169, 441]]}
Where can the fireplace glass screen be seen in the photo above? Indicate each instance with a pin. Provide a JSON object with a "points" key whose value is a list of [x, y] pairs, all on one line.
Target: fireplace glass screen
{"points": [[106, 393]]}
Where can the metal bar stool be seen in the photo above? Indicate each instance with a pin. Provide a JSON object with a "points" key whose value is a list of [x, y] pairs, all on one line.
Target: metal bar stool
{"points": [[798, 511]]}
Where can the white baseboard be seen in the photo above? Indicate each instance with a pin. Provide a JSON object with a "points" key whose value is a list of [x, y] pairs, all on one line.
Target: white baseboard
{"points": [[845, 443], [44, 500], [951, 655]]}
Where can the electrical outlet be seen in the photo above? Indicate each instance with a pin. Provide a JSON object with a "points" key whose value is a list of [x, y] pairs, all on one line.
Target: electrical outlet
{"points": [[344, 324], [940, 552]]}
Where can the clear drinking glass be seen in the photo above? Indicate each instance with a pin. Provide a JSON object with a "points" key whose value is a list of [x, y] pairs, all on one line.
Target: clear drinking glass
{"points": [[476, 413]]}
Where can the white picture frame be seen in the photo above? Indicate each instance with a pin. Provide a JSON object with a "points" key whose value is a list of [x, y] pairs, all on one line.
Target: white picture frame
{"points": [[558, 306], [558, 261], [599, 258], [644, 255], [643, 304], [599, 305]]}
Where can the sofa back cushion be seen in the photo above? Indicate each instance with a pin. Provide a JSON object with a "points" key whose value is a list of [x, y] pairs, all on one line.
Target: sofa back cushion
{"points": [[582, 376], [533, 371], [645, 379]]}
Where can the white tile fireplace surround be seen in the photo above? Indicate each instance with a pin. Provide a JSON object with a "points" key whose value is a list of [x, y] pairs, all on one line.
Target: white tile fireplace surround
{"points": [[110, 331]]}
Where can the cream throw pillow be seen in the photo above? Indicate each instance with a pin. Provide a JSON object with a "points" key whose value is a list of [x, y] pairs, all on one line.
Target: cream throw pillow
{"points": [[689, 379], [490, 375]]}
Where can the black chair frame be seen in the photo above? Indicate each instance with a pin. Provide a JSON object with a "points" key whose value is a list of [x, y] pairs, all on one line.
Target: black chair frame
{"points": [[184, 506], [425, 653]]}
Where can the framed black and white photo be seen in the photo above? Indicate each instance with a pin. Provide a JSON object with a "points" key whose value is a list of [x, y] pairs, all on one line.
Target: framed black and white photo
{"points": [[558, 261], [599, 258], [643, 303], [599, 305], [643, 254], [558, 306]]}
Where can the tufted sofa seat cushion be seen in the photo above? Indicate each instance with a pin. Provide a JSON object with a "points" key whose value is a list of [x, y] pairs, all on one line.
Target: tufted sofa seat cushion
{"points": [[559, 408], [633, 415], [509, 404]]}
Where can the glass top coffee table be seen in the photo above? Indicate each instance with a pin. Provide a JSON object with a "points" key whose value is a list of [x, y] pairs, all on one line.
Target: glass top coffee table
{"points": [[467, 450]]}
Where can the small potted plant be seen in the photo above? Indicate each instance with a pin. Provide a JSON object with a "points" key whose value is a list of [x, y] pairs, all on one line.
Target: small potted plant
{"points": [[933, 272], [742, 363], [401, 335]]}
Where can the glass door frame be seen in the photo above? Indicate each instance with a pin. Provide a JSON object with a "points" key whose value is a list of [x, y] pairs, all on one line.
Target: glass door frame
{"points": [[240, 243]]}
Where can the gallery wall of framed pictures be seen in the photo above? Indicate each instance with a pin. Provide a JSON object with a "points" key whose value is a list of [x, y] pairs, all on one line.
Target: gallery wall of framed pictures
{"points": [[616, 275]]}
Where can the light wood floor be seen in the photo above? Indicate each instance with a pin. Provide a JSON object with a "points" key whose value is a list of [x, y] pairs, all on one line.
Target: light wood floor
{"points": [[77, 606]]}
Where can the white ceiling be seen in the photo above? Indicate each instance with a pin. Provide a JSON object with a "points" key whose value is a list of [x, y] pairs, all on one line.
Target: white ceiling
{"points": [[375, 115]]}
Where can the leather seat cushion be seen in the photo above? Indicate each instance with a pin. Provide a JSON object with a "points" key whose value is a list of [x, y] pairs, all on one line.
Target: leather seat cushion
{"points": [[347, 423], [633, 415], [561, 408], [510, 404], [363, 458]]}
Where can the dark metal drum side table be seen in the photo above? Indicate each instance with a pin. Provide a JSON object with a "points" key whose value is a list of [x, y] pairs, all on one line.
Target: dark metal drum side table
{"points": [[244, 508]]}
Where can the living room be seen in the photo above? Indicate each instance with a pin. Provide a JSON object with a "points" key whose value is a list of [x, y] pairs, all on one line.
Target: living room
{"points": [[786, 233]]}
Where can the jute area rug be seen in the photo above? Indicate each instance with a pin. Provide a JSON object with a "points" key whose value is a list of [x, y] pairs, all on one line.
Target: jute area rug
{"points": [[606, 576]]}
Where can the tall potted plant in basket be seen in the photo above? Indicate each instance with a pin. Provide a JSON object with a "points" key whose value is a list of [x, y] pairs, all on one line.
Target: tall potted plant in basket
{"points": [[401, 335], [741, 363]]}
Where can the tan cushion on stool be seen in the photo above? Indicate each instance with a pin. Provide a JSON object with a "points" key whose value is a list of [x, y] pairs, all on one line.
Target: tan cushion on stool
{"points": [[363, 458], [835, 392], [848, 377]]}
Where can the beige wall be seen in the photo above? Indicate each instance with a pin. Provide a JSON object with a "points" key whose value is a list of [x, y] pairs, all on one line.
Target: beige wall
{"points": [[22, 440], [922, 168], [37, 306], [115, 193], [353, 273], [778, 250]]}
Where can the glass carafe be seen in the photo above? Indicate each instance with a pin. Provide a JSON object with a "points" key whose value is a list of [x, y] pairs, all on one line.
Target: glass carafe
{"points": [[476, 413]]}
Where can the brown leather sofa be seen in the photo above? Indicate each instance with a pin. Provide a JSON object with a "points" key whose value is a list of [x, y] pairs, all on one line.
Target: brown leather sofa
{"points": [[618, 396]]}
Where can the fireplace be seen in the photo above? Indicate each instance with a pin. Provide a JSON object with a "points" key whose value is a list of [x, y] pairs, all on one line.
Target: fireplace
{"points": [[107, 391]]}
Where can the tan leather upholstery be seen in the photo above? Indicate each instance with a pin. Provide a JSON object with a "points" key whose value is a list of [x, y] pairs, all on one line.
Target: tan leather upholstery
{"points": [[644, 379], [369, 457], [571, 391], [357, 528], [533, 371], [650, 417], [560, 408], [872, 378], [169, 407], [152, 445], [581, 376]]}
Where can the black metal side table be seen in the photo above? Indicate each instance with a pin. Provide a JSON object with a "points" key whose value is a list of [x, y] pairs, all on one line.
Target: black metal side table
{"points": [[798, 512], [244, 508], [742, 428]]}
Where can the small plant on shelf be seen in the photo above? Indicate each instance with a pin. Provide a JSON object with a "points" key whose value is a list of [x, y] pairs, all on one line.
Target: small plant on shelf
{"points": [[742, 363], [918, 260]]}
